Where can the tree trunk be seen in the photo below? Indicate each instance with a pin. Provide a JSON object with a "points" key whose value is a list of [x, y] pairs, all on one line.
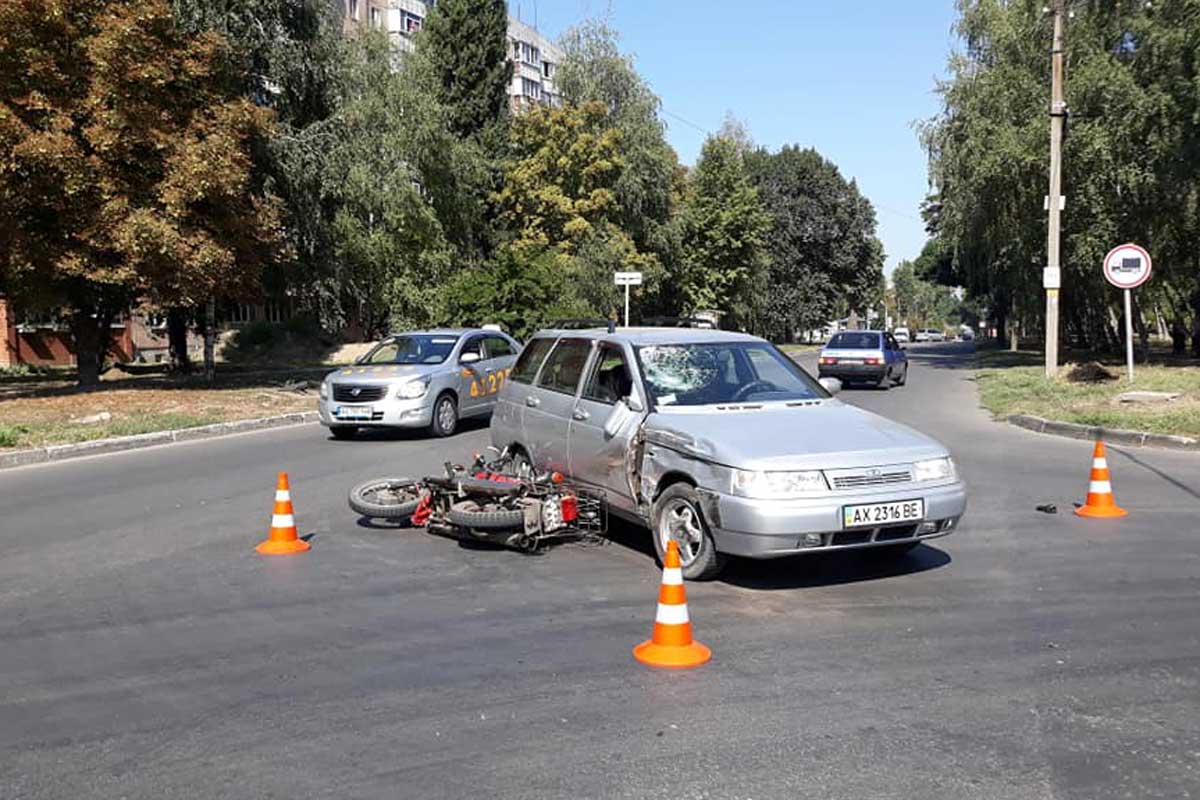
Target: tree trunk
{"points": [[90, 344], [177, 340], [210, 340]]}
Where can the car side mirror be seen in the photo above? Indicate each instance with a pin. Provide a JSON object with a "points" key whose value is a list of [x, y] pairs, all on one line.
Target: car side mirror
{"points": [[468, 358], [633, 403], [831, 385], [620, 414]]}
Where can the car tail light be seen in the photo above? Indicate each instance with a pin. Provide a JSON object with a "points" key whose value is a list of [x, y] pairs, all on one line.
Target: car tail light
{"points": [[872, 361], [570, 508], [827, 360]]}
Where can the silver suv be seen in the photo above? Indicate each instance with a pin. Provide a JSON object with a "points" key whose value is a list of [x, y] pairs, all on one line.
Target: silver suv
{"points": [[721, 442], [421, 379]]}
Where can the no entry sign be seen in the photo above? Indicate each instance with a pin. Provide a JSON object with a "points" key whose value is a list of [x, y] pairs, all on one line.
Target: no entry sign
{"points": [[1127, 266]]}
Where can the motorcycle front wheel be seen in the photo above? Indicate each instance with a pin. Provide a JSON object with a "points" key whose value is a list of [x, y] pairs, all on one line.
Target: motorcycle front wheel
{"points": [[386, 498]]}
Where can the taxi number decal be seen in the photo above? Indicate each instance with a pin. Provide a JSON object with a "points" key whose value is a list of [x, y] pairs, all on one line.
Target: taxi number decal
{"points": [[489, 385]]}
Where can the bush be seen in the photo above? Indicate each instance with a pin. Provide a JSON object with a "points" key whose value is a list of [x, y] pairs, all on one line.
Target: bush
{"points": [[300, 338], [10, 435]]}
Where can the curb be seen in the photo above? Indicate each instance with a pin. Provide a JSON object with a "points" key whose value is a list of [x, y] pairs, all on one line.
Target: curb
{"points": [[61, 452], [1072, 430]]}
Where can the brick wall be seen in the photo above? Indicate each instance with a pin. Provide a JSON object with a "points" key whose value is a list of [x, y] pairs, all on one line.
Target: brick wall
{"points": [[7, 336]]}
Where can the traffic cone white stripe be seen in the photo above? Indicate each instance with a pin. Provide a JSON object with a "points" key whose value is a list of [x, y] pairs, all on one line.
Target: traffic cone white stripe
{"points": [[282, 495], [672, 576], [283, 521], [1099, 487], [671, 615], [1099, 463]]}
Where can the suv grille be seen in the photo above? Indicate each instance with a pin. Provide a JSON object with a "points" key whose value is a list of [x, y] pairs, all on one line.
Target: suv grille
{"points": [[357, 393], [872, 476]]}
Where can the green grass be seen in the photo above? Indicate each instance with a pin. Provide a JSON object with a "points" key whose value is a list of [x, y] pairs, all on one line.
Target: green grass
{"points": [[1006, 389], [50, 433]]}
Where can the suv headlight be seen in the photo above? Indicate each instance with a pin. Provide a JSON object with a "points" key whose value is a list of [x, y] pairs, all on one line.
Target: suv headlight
{"points": [[411, 390], [323, 390], [934, 469], [778, 485]]}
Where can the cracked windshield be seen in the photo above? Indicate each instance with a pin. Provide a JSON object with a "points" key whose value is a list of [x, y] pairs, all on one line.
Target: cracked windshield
{"points": [[705, 374]]}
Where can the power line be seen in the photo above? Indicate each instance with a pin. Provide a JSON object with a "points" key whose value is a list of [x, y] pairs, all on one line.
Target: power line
{"points": [[687, 122]]}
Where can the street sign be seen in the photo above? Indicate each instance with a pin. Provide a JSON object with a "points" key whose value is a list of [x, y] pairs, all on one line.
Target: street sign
{"points": [[627, 278], [1127, 266]]}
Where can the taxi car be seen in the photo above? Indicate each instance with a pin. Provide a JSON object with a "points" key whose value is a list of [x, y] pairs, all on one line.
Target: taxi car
{"points": [[419, 379]]}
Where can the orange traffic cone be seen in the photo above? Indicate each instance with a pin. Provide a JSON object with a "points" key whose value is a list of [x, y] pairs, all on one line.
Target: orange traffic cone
{"points": [[1100, 502], [283, 539], [672, 645]]}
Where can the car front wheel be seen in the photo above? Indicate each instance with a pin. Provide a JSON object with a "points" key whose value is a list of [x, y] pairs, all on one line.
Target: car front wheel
{"points": [[677, 516], [343, 431], [445, 416]]}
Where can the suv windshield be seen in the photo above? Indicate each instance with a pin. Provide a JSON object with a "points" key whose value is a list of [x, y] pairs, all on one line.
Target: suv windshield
{"points": [[418, 349], [854, 341], [723, 372]]}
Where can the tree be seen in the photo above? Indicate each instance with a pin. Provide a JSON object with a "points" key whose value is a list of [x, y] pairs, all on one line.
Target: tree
{"points": [[649, 187], [824, 255], [724, 236], [525, 288], [126, 166], [467, 42]]}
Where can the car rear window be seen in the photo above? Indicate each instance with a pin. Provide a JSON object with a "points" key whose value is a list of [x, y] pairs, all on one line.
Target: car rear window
{"points": [[531, 358], [854, 341]]}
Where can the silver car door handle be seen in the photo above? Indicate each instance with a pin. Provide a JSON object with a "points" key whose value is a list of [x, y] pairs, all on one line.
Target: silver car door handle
{"points": [[580, 414], [532, 401]]}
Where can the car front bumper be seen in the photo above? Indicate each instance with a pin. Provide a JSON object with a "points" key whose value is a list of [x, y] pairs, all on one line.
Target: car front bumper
{"points": [[775, 528], [386, 413]]}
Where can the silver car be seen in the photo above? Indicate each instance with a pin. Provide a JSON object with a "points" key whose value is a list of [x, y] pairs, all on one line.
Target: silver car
{"points": [[721, 442], [421, 379]]}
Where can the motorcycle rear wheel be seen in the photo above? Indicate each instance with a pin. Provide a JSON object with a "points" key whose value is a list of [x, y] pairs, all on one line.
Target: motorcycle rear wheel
{"points": [[386, 498]]}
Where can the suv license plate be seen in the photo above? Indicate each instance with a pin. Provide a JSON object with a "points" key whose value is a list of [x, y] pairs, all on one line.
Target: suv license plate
{"points": [[876, 514]]}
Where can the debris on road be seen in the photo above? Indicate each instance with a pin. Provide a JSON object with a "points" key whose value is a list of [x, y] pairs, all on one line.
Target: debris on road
{"points": [[1091, 372], [1048, 508]]}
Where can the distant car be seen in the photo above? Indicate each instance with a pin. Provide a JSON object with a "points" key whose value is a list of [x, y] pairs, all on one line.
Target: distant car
{"points": [[967, 335], [901, 335], [936, 335], [864, 357], [421, 379], [920, 335]]}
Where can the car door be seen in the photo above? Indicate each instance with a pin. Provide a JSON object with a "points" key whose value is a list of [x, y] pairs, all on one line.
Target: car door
{"points": [[500, 354], [597, 458], [550, 401], [472, 377], [508, 418]]}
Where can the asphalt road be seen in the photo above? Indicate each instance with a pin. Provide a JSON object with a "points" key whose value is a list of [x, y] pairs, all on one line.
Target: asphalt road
{"points": [[146, 650]]}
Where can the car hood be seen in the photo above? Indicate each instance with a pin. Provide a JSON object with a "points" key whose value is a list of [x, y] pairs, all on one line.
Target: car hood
{"points": [[384, 373], [821, 434]]}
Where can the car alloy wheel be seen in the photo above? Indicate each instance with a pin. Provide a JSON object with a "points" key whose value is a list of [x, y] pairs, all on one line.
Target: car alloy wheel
{"points": [[680, 521]]}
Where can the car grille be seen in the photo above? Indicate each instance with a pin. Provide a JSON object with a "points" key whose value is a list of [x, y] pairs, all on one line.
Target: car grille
{"points": [[358, 393], [873, 476]]}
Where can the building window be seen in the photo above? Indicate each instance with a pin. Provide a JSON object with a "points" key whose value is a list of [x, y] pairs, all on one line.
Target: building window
{"points": [[547, 69], [376, 18], [354, 9], [527, 53], [531, 89], [409, 22], [277, 312]]}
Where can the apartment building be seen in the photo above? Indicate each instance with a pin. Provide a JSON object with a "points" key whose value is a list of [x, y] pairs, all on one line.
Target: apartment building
{"points": [[535, 58]]}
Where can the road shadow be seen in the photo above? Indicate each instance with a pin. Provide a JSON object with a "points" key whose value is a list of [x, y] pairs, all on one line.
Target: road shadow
{"points": [[1178, 484], [367, 434], [802, 571]]}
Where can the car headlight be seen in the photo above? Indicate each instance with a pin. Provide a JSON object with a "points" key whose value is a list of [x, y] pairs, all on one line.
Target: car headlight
{"points": [[778, 485], [323, 390], [934, 469], [411, 390]]}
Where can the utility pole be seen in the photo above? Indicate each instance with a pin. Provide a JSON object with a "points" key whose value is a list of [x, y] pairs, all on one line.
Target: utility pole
{"points": [[1052, 275]]}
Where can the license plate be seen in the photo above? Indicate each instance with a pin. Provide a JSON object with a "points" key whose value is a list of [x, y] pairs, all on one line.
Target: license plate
{"points": [[352, 412], [850, 362], [876, 514]]}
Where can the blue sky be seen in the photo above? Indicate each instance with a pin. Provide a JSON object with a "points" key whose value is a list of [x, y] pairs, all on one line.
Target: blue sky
{"points": [[846, 78]]}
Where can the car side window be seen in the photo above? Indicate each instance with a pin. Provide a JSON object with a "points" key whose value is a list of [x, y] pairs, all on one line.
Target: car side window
{"points": [[497, 347], [610, 379], [531, 358], [564, 367], [473, 345]]}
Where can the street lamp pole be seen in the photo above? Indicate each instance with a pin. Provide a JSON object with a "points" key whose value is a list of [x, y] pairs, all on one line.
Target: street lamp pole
{"points": [[1052, 276]]}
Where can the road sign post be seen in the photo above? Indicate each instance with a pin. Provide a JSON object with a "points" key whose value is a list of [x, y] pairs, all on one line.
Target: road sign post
{"points": [[1128, 267], [627, 279]]}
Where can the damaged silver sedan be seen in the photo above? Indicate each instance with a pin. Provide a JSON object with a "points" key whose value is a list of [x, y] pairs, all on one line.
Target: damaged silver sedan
{"points": [[721, 442]]}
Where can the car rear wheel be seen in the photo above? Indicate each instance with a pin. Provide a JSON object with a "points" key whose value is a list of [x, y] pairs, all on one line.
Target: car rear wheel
{"points": [[445, 416], [677, 516], [343, 431]]}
